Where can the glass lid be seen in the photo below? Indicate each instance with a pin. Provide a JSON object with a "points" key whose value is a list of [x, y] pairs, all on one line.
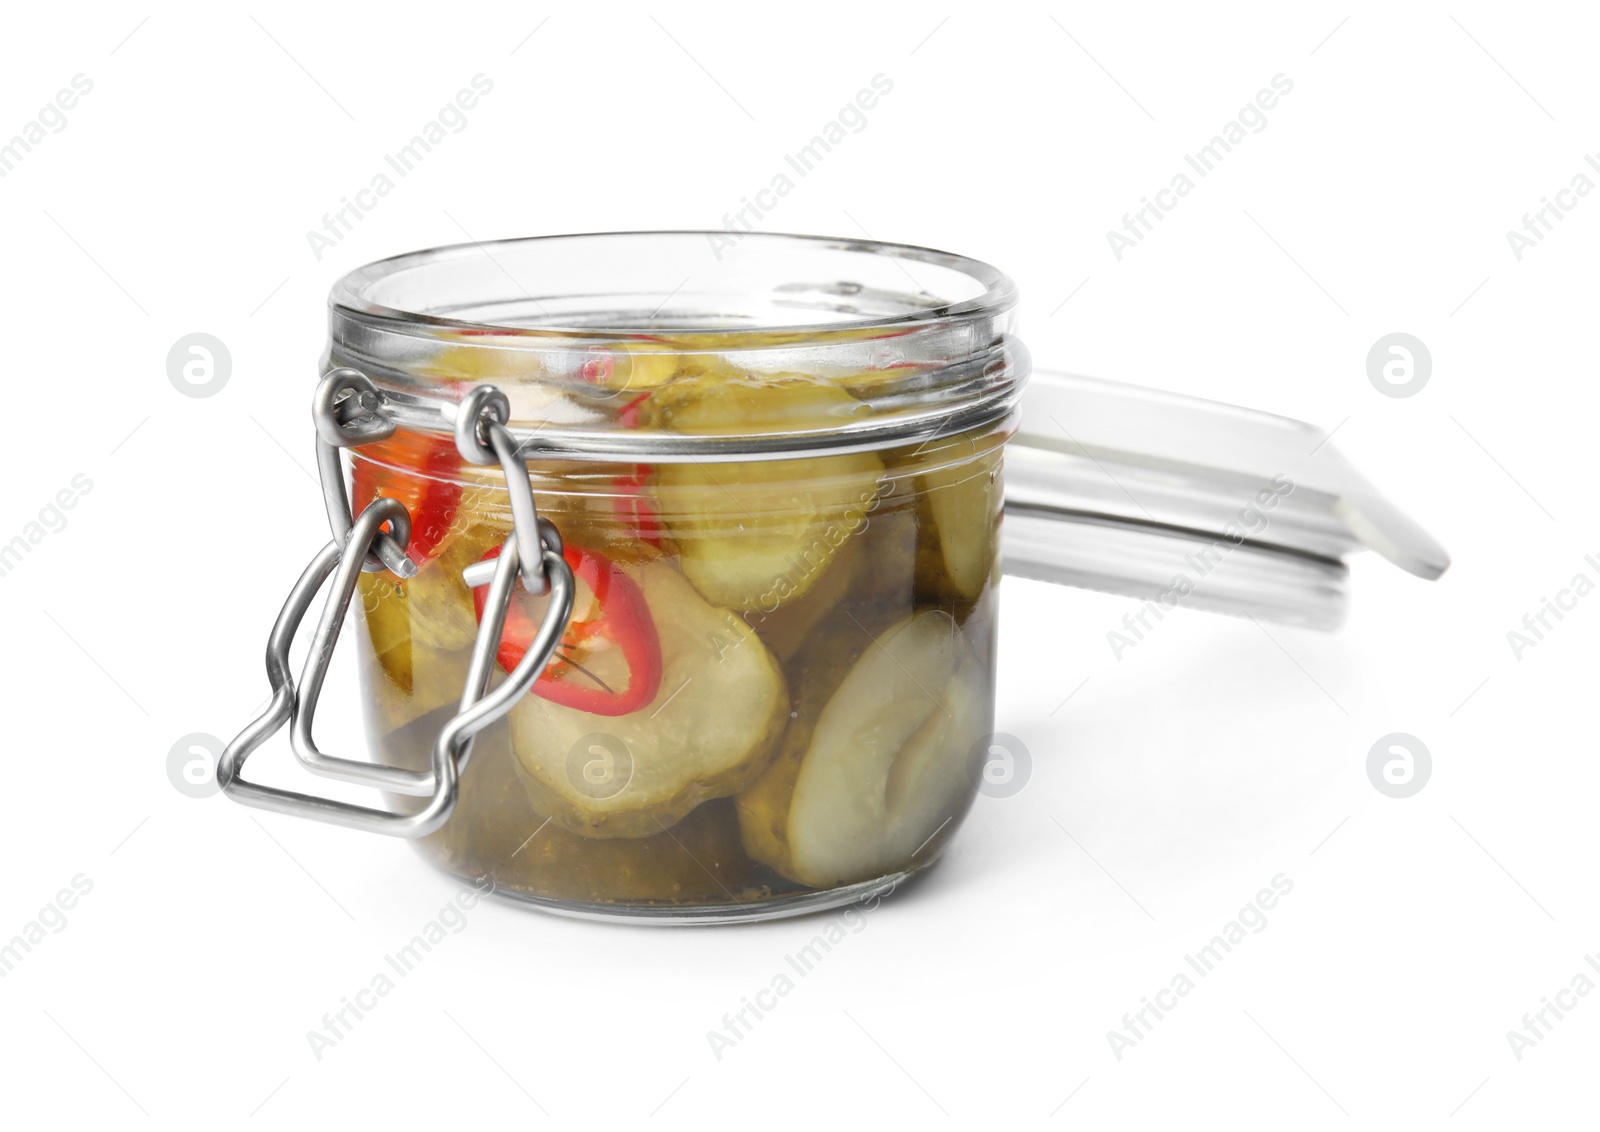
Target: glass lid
{"points": [[1190, 502]]}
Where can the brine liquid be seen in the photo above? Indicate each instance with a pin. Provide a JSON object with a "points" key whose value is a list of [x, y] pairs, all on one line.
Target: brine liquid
{"points": [[828, 631]]}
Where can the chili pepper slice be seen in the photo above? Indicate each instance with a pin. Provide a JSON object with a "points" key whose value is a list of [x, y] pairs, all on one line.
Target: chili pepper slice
{"points": [[616, 616], [628, 415], [634, 510], [421, 477]]}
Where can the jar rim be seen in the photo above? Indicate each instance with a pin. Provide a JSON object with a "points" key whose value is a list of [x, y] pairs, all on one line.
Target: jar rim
{"points": [[575, 328], [353, 295]]}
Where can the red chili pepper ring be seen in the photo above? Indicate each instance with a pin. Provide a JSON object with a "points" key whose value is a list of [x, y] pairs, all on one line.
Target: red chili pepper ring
{"points": [[618, 615]]}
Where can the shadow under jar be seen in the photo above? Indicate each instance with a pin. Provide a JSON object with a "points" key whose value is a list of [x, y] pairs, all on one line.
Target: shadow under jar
{"points": [[776, 473]]}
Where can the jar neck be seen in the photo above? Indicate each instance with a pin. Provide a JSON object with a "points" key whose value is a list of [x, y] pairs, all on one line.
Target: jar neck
{"points": [[578, 330]]}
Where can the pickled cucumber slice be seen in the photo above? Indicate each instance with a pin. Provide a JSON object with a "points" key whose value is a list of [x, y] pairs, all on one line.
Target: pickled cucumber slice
{"points": [[716, 720], [787, 629], [755, 535], [890, 546], [964, 501], [867, 589], [636, 367], [418, 672], [495, 830], [382, 599], [885, 767], [421, 629], [815, 673], [438, 599]]}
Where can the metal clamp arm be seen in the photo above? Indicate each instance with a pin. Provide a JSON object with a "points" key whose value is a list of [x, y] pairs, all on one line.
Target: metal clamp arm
{"points": [[345, 559]]}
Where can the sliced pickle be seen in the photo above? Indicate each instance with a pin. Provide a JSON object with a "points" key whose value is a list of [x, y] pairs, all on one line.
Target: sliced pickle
{"points": [[385, 613], [439, 600], [544, 384], [494, 831], [636, 367], [501, 834], [890, 543], [885, 767], [786, 629], [755, 535], [964, 500], [421, 628], [418, 674], [441, 609], [717, 718], [814, 675]]}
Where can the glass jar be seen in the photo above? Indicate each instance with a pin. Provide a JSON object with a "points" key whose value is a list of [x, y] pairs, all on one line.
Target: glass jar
{"points": [[677, 564]]}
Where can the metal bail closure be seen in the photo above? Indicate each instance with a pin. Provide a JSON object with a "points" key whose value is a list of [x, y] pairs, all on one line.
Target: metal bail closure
{"points": [[482, 438], [345, 558], [453, 745], [347, 411]]}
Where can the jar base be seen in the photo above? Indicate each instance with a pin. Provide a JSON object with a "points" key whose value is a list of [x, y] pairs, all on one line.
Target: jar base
{"points": [[700, 915]]}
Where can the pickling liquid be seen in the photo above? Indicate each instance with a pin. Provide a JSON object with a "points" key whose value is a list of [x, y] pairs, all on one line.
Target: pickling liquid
{"points": [[816, 638]]}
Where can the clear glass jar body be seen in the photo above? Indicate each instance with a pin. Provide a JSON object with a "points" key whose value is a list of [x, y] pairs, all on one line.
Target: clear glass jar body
{"points": [[777, 686]]}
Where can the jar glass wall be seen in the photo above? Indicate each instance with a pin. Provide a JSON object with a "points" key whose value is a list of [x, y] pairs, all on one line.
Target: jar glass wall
{"points": [[777, 684]]}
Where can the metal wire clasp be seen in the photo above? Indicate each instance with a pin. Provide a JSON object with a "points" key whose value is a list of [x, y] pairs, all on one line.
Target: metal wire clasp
{"points": [[482, 438], [348, 412]]}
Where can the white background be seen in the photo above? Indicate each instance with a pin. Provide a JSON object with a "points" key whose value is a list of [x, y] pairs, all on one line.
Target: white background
{"points": [[1173, 786]]}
